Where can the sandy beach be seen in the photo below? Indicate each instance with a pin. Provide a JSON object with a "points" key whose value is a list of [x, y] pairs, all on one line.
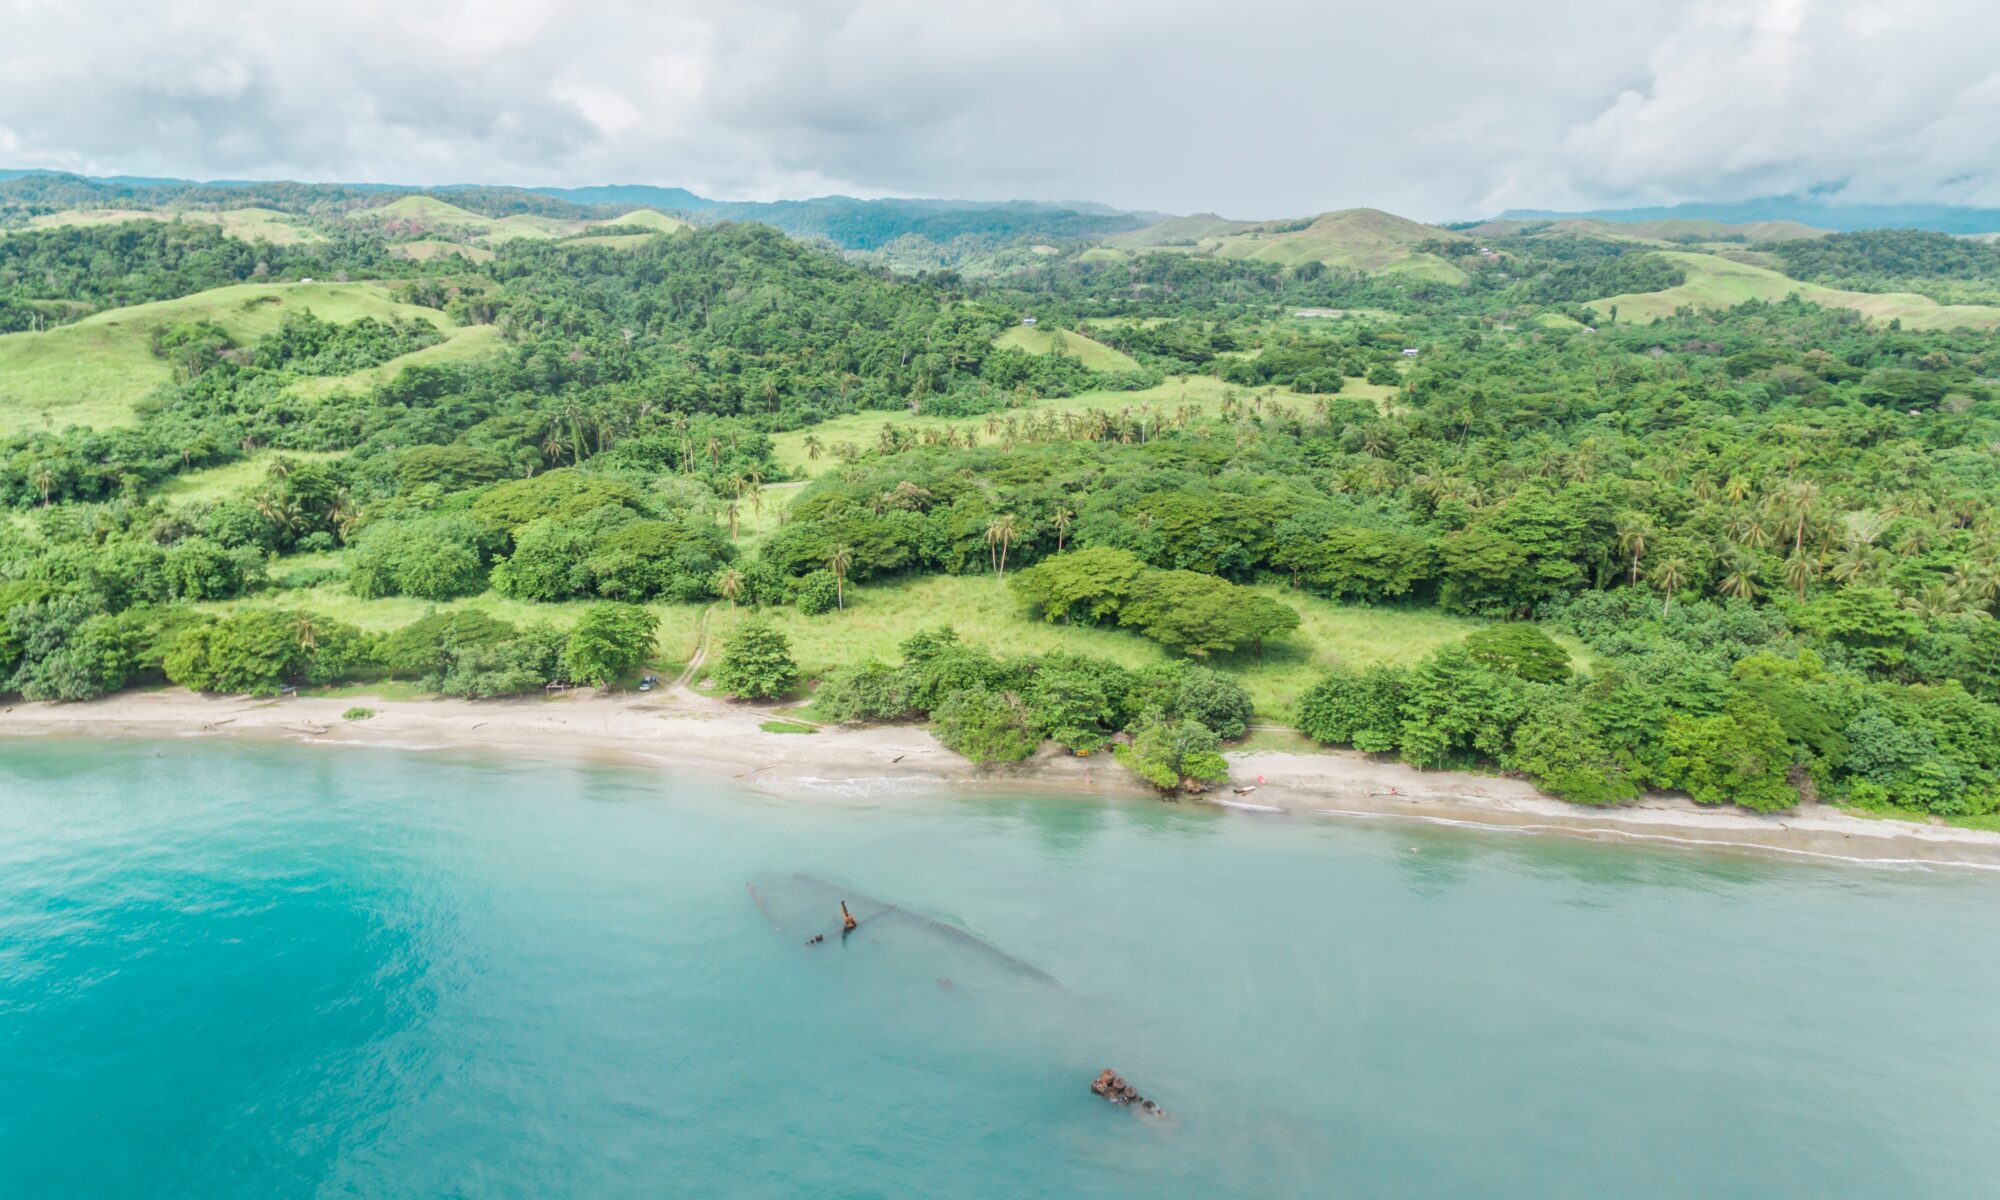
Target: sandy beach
{"points": [[679, 730]]}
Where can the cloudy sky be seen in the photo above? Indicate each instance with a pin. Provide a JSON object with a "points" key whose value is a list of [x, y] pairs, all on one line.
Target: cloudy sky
{"points": [[1252, 108]]}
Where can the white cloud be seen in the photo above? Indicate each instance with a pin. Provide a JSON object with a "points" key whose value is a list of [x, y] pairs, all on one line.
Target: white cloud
{"points": [[1257, 107]]}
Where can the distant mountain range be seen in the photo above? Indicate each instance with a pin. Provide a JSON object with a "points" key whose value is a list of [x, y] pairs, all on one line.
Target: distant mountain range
{"points": [[1807, 210], [847, 222]]}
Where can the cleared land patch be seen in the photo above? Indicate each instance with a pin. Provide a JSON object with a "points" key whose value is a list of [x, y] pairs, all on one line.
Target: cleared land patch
{"points": [[1095, 355], [92, 372], [247, 224], [1715, 282], [1361, 239]]}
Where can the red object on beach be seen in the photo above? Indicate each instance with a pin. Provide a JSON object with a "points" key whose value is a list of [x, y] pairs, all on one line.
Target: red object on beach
{"points": [[1260, 779]]}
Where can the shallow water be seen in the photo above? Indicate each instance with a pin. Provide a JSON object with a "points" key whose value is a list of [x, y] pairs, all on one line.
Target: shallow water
{"points": [[260, 970]]}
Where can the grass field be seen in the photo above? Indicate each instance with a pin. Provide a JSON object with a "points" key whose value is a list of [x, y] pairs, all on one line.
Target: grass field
{"points": [[1095, 355], [1715, 282], [1363, 239], [219, 483], [461, 343], [659, 222], [879, 617], [451, 224], [248, 224], [1672, 232], [789, 450], [91, 373]]}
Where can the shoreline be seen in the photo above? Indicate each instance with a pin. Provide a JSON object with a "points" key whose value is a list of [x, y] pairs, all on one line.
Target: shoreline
{"points": [[677, 729]]}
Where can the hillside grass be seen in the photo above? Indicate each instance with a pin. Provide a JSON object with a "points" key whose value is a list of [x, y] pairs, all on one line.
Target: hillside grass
{"points": [[1093, 354], [462, 343], [246, 224], [650, 219], [1361, 239], [447, 224], [230, 479], [1716, 282], [93, 372], [1204, 392]]}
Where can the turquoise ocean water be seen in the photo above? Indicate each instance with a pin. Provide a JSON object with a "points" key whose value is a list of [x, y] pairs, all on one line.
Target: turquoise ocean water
{"points": [[277, 971]]}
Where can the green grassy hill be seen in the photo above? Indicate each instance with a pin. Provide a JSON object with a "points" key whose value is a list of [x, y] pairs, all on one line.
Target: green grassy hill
{"points": [[1665, 232], [1180, 232], [1361, 239], [649, 219], [1095, 355], [448, 224], [448, 221], [248, 224], [92, 372], [1715, 282]]}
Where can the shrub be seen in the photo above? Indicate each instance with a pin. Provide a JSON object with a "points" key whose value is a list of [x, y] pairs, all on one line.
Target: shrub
{"points": [[258, 650], [986, 726], [757, 663], [868, 691], [1199, 693], [357, 713], [1175, 755], [818, 592], [1363, 710]]}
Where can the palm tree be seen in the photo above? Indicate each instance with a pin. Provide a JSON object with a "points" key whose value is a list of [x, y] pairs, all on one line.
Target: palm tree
{"points": [[812, 448], [838, 561], [730, 584], [1633, 530], [1670, 576], [757, 503], [1799, 571], [45, 479], [730, 510], [1061, 521], [1740, 581], [1000, 533], [308, 635]]}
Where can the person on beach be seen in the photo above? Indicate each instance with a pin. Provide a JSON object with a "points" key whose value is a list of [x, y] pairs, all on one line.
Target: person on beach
{"points": [[847, 921]]}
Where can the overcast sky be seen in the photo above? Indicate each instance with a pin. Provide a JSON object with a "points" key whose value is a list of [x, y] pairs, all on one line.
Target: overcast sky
{"points": [[1252, 108]]}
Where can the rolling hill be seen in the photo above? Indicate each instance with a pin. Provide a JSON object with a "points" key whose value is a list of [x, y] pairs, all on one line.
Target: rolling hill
{"points": [[1670, 231], [248, 224], [1095, 355], [444, 223], [1715, 282], [93, 372], [1361, 239]]}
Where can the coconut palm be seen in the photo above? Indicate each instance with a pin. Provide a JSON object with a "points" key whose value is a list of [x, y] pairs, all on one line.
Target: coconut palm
{"points": [[1740, 576], [1000, 534], [1061, 521], [1633, 531], [729, 583], [1800, 571], [838, 561], [1670, 576]]}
